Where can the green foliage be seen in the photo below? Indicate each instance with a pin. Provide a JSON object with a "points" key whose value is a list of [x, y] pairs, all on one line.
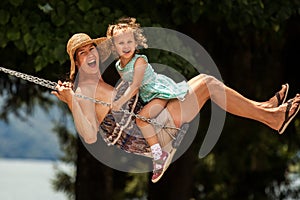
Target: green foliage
{"points": [[240, 15], [4, 16], [84, 5], [41, 29], [136, 186], [16, 3], [64, 182], [40, 24]]}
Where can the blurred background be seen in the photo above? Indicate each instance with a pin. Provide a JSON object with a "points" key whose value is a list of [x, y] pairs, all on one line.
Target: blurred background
{"points": [[254, 43]]}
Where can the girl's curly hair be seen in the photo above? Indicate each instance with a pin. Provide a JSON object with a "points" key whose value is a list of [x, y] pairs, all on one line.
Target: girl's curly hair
{"points": [[125, 23]]}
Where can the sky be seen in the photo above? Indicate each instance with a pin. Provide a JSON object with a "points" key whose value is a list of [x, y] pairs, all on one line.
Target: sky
{"points": [[33, 138]]}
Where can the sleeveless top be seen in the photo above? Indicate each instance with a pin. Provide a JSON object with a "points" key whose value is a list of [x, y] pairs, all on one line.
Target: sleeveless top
{"points": [[153, 85]]}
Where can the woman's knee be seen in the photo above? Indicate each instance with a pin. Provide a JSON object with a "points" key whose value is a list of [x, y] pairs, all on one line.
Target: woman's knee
{"points": [[204, 79], [202, 82], [209, 79], [212, 83]]}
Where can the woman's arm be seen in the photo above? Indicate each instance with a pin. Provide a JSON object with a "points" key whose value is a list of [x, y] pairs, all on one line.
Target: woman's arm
{"points": [[83, 113], [139, 69]]}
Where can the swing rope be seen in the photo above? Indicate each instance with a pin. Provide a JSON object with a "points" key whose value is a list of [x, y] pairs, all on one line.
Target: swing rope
{"points": [[52, 85]]}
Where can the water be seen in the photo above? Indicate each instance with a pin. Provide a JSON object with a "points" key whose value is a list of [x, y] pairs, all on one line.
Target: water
{"points": [[27, 180]]}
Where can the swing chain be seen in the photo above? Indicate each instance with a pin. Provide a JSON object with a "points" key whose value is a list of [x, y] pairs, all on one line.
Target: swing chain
{"points": [[30, 78], [52, 85], [92, 100], [148, 120]]}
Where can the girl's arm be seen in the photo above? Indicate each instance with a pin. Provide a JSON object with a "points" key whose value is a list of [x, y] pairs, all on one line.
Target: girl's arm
{"points": [[83, 113], [139, 69]]}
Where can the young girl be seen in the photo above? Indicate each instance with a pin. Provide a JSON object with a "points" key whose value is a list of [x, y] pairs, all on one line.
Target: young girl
{"points": [[157, 89]]}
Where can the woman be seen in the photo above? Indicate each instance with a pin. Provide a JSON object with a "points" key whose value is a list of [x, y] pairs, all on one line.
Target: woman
{"points": [[93, 116]]}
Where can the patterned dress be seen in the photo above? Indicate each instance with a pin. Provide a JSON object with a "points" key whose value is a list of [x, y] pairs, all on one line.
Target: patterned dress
{"points": [[115, 130], [119, 128], [153, 85]]}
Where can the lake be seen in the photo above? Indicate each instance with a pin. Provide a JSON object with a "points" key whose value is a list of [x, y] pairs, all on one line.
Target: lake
{"points": [[27, 180]]}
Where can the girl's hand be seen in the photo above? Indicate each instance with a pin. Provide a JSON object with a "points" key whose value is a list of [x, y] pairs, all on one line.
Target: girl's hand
{"points": [[116, 106]]}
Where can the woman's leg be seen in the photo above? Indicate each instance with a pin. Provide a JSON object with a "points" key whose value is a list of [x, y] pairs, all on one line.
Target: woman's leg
{"points": [[278, 99], [204, 87], [271, 103]]}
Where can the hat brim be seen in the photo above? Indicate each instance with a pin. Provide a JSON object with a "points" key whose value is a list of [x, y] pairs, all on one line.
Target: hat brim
{"points": [[103, 47]]}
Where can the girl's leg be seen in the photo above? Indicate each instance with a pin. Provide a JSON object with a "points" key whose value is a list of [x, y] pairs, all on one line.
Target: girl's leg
{"points": [[204, 87], [150, 110]]}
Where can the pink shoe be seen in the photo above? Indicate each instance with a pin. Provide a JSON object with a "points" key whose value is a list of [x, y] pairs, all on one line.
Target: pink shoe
{"points": [[160, 166]]}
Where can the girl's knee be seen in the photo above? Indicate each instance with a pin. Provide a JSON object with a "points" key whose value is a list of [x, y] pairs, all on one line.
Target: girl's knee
{"points": [[140, 122]]}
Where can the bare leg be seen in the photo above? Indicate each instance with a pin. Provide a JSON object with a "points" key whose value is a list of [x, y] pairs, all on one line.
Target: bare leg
{"points": [[204, 87], [160, 157], [273, 101], [151, 110]]}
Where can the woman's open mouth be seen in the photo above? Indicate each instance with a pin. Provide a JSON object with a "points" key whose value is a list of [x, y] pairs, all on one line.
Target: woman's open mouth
{"points": [[92, 63], [127, 51]]}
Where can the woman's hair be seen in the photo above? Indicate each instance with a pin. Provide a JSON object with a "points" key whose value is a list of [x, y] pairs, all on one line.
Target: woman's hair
{"points": [[75, 78], [128, 23]]}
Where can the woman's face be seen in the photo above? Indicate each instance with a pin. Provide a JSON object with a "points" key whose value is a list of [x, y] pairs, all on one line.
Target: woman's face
{"points": [[125, 43], [87, 59]]}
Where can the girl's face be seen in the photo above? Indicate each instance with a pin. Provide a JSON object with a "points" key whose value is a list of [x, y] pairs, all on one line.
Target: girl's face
{"points": [[125, 43], [87, 59]]}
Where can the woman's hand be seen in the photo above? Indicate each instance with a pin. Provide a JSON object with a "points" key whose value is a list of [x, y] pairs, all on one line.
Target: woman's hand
{"points": [[64, 91]]}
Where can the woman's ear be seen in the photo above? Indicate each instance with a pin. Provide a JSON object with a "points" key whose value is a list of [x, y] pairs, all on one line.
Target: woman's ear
{"points": [[77, 64]]}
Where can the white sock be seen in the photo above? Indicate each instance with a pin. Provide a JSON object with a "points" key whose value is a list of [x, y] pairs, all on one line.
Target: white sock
{"points": [[156, 151]]}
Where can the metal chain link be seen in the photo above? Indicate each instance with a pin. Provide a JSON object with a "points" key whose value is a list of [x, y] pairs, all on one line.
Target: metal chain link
{"points": [[33, 79], [52, 85], [93, 100], [148, 120]]}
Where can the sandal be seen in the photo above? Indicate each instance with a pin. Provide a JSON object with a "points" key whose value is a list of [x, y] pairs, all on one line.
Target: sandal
{"points": [[279, 100], [288, 118], [160, 166]]}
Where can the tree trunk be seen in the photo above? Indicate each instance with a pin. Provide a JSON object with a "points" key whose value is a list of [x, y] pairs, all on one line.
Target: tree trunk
{"points": [[93, 179], [177, 182]]}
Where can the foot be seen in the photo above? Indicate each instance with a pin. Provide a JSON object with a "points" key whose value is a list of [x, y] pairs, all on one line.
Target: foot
{"points": [[292, 108], [160, 166], [278, 99]]}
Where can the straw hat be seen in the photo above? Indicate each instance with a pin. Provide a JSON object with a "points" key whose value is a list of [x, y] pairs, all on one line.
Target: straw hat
{"points": [[81, 39]]}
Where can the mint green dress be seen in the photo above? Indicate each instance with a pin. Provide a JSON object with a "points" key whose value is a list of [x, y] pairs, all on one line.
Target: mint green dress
{"points": [[153, 85]]}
